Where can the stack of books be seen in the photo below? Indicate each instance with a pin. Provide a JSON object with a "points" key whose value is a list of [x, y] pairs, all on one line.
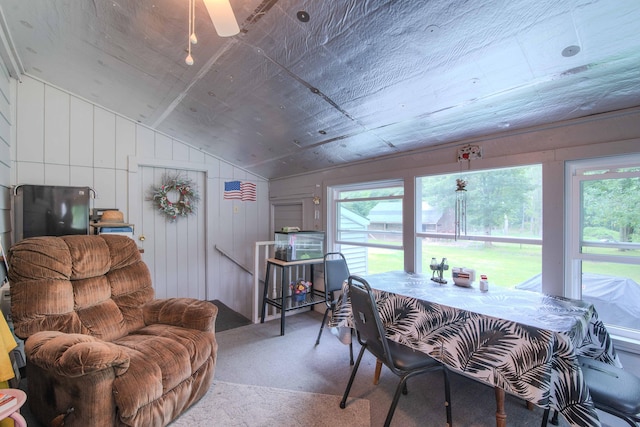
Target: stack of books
{"points": [[7, 400]]}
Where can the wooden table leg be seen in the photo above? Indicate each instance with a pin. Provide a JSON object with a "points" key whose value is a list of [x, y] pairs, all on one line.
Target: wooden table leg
{"points": [[501, 415], [376, 375]]}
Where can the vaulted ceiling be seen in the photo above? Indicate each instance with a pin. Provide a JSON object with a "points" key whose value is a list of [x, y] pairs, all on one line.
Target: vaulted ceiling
{"points": [[344, 80]]}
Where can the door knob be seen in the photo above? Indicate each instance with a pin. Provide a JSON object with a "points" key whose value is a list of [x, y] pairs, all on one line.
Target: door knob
{"points": [[141, 238]]}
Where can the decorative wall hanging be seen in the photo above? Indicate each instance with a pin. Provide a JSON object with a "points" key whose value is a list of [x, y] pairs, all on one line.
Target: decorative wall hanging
{"points": [[468, 153], [182, 190], [461, 208], [240, 190]]}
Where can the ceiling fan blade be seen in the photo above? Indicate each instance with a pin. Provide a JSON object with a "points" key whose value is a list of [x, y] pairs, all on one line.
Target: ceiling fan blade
{"points": [[223, 18]]}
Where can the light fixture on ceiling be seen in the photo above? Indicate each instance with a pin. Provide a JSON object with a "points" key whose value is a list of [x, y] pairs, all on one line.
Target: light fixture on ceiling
{"points": [[192, 31], [570, 51], [222, 16], [303, 16]]}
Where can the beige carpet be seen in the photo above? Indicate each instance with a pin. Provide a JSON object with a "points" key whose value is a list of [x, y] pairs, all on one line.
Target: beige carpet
{"points": [[229, 404]]}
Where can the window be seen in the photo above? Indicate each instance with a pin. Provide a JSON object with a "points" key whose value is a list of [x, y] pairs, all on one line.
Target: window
{"points": [[503, 238], [367, 226], [604, 239]]}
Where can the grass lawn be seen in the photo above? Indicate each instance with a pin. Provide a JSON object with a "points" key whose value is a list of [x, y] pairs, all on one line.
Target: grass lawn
{"points": [[504, 264]]}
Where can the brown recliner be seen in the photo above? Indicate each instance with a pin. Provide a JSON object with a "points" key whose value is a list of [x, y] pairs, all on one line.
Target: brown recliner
{"points": [[100, 350]]}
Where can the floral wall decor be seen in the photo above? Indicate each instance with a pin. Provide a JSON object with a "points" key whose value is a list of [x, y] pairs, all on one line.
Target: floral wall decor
{"points": [[176, 196]]}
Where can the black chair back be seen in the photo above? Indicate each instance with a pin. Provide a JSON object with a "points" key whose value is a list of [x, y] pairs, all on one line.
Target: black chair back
{"points": [[367, 321], [404, 362], [336, 271]]}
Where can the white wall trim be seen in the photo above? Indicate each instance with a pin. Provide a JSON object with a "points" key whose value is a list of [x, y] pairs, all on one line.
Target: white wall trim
{"points": [[134, 162], [626, 344], [601, 149]]}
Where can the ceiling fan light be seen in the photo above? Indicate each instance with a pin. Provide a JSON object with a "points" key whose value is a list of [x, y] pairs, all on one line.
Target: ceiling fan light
{"points": [[223, 18]]}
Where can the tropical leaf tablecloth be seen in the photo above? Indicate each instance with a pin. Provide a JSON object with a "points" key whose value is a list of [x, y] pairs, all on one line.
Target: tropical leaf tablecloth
{"points": [[523, 342]]}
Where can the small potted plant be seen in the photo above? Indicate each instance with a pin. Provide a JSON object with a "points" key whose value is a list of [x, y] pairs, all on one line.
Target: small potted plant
{"points": [[299, 290]]}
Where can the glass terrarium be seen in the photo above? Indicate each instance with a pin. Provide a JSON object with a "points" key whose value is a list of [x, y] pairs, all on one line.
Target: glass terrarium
{"points": [[299, 245]]}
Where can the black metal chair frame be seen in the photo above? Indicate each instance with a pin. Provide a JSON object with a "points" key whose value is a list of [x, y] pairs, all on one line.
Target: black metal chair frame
{"points": [[336, 271], [403, 361], [613, 390]]}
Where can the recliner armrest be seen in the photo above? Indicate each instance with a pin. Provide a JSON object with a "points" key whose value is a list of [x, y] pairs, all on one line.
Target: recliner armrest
{"points": [[188, 313], [74, 355]]}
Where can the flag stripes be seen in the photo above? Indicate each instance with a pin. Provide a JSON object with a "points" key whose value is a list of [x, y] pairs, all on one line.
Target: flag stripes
{"points": [[240, 190]]}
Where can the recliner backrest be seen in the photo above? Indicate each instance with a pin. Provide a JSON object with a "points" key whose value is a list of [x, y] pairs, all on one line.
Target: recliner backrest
{"points": [[93, 285]]}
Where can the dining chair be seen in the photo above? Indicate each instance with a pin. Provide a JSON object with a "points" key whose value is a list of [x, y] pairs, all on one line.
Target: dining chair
{"points": [[613, 390], [336, 271], [403, 361]]}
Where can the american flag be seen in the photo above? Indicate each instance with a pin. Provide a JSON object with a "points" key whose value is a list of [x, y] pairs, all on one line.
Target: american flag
{"points": [[238, 190]]}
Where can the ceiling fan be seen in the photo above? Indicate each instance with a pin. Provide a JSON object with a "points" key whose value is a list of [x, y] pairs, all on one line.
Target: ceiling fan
{"points": [[222, 16]]}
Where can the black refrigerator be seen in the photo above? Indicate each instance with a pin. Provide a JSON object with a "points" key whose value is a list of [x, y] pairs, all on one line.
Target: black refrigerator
{"points": [[50, 210]]}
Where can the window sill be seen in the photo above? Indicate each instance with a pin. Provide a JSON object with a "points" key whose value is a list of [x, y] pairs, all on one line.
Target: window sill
{"points": [[630, 345]]}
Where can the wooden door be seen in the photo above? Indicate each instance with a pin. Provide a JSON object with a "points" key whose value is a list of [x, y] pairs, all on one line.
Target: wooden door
{"points": [[174, 251]]}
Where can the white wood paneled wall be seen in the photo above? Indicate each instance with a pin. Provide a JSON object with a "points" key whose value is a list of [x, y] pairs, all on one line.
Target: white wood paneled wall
{"points": [[61, 139], [6, 123]]}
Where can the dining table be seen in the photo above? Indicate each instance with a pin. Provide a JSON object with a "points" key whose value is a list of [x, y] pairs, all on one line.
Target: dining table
{"points": [[520, 342]]}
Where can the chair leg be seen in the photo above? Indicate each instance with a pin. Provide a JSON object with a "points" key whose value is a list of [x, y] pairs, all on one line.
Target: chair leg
{"points": [[545, 417], [343, 402], [402, 387], [351, 353], [447, 395], [324, 319]]}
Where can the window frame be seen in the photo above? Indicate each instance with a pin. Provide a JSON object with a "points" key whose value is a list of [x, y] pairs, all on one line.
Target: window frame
{"points": [[332, 217], [418, 235], [576, 173]]}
